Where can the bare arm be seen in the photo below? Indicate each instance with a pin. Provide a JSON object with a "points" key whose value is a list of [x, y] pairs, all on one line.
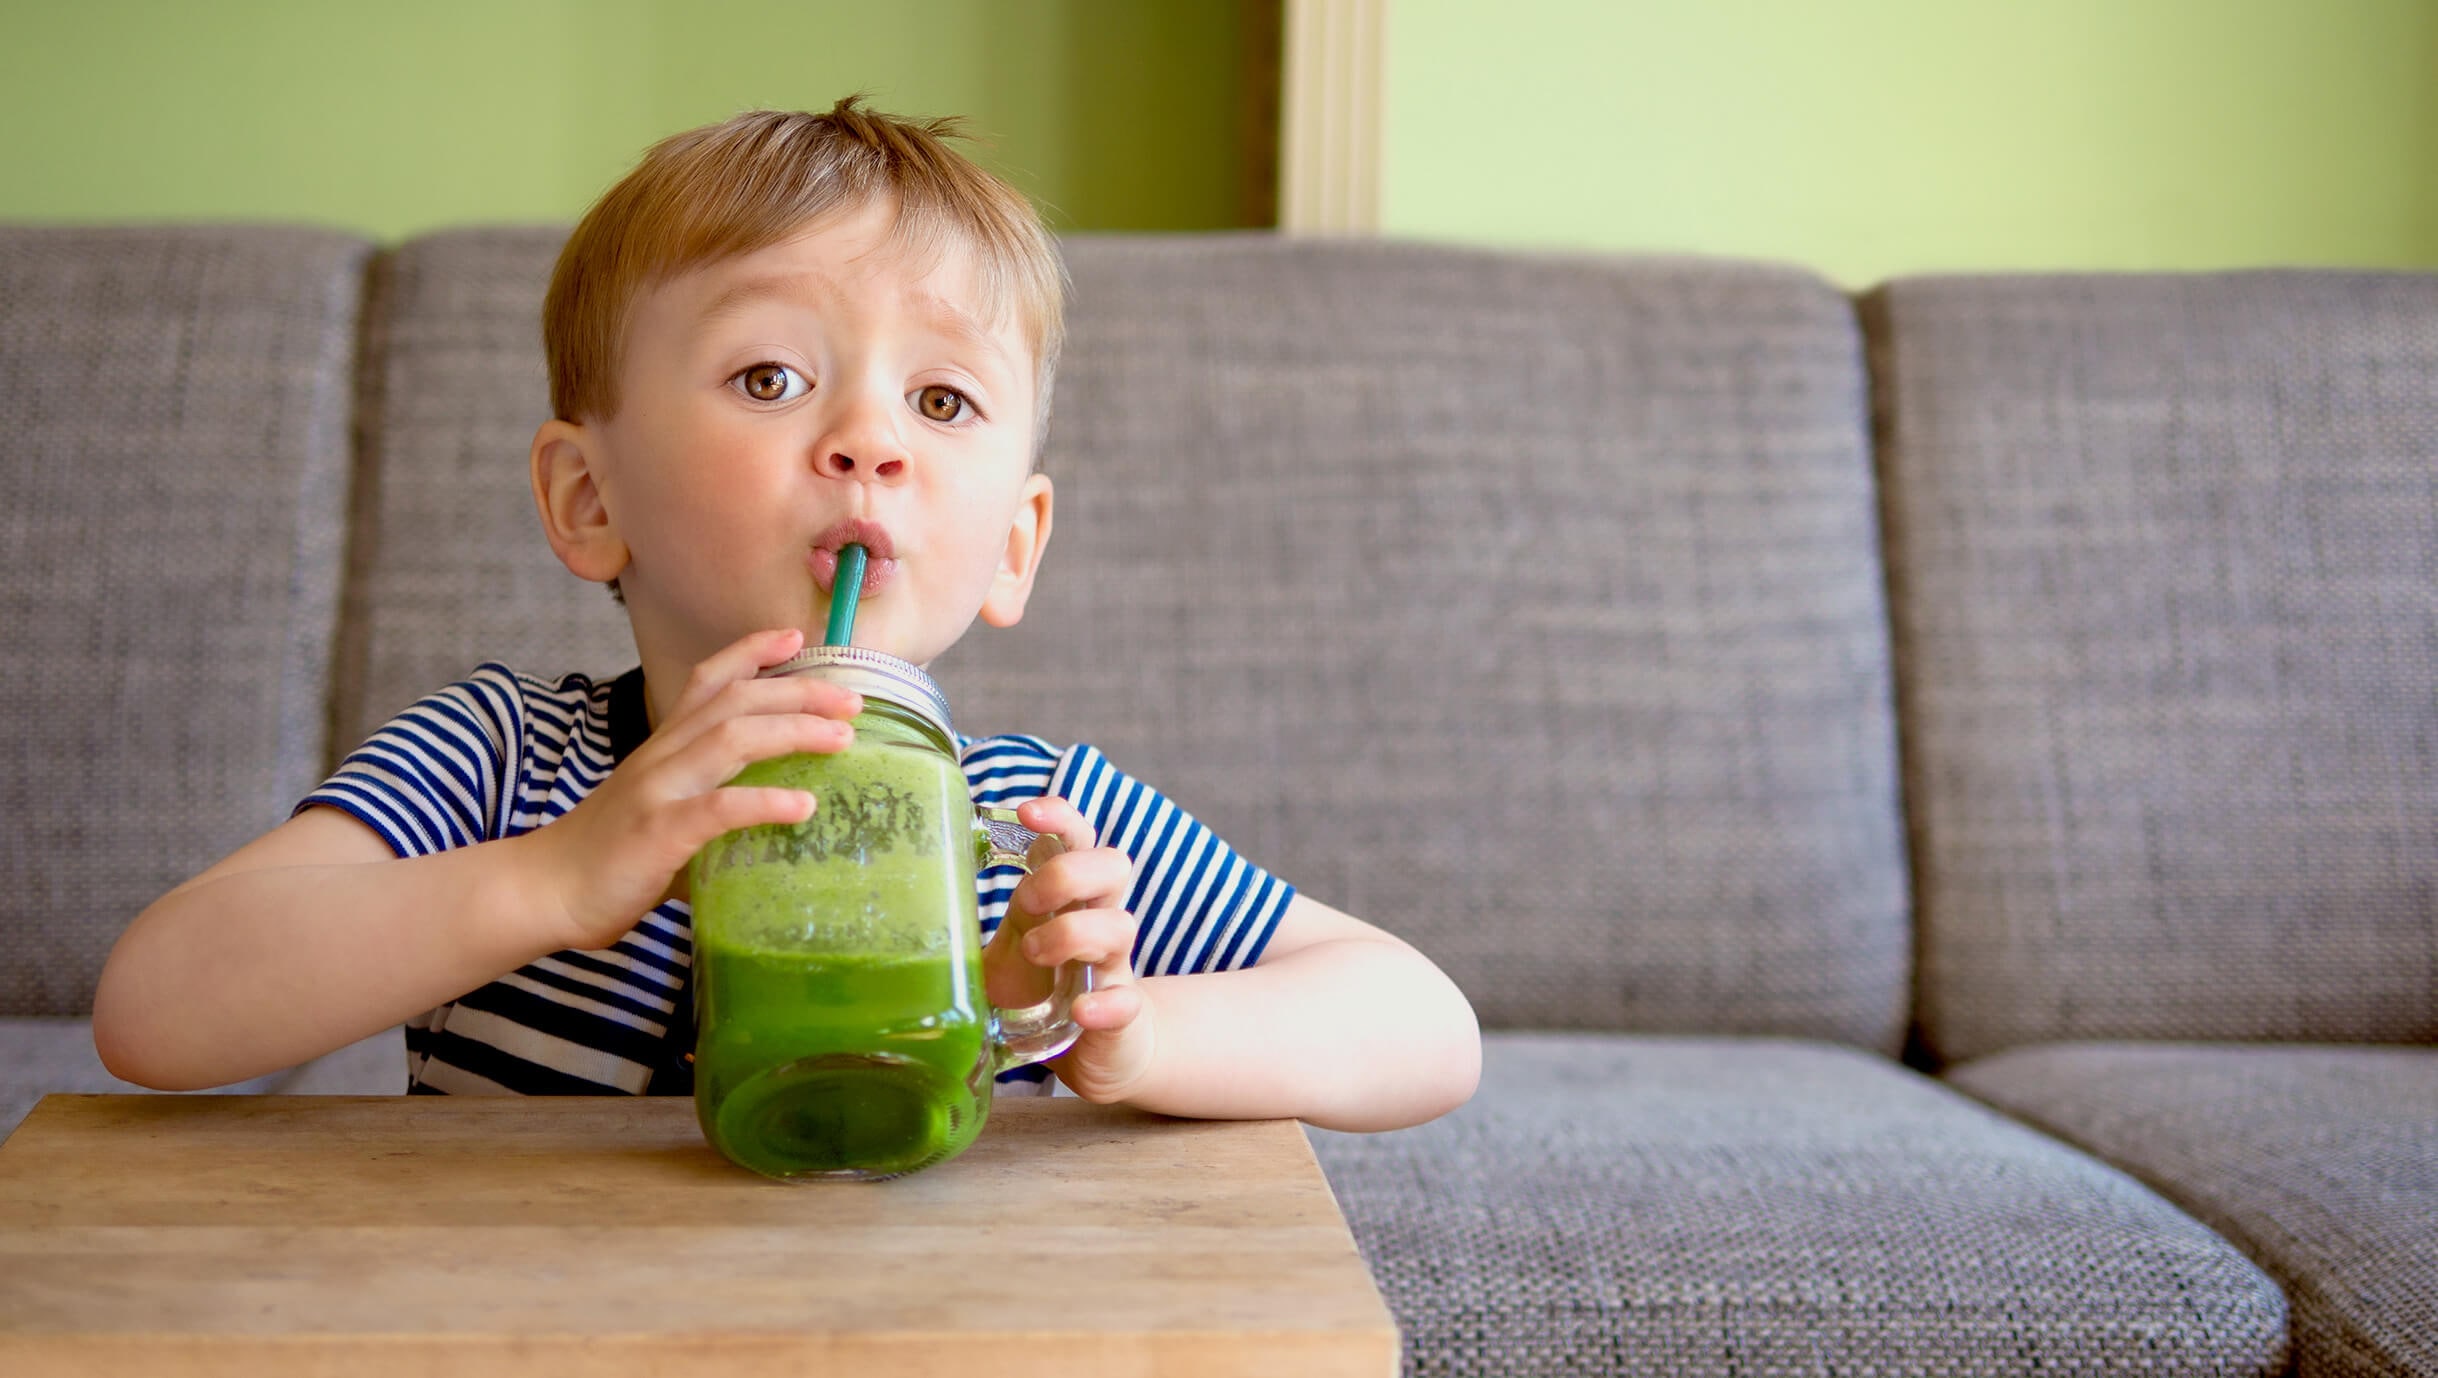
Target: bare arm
{"points": [[314, 935], [306, 939], [1340, 1025]]}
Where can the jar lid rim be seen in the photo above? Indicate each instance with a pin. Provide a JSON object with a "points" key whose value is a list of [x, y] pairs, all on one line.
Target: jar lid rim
{"points": [[873, 674]]}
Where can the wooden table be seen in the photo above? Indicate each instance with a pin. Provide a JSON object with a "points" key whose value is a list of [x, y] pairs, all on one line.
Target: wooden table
{"points": [[554, 1236]]}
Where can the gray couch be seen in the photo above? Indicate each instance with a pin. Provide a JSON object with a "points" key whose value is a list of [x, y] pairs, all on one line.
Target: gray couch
{"points": [[1935, 795]]}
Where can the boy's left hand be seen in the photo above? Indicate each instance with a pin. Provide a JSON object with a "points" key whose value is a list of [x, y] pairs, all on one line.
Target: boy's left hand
{"points": [[1072, 909]]}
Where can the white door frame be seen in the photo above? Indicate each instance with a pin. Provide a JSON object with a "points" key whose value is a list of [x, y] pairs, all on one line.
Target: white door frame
{"points": [[1329, 116]]}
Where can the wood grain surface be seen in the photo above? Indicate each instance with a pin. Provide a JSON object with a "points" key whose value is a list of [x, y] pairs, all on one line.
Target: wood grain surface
{"points": [[271, 1235]]}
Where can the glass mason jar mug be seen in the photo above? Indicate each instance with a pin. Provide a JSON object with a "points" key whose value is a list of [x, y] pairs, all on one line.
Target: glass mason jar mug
{"points": [[843, 1029]]}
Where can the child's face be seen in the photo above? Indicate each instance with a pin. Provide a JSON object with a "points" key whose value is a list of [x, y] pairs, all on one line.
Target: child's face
{"points": [[825, 389]]}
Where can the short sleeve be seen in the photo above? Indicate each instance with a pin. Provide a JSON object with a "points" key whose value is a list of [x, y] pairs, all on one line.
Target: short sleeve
{"points": [[1198, 905], [438, 775]]}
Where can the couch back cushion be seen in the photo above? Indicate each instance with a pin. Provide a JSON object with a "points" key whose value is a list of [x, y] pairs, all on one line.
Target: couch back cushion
{"points": [[174, 409], [450, 565], [2162, 555], [1527, 607]]}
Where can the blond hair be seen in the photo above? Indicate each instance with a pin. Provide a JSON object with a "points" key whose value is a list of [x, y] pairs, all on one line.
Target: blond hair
{"points": [[755, 179]]}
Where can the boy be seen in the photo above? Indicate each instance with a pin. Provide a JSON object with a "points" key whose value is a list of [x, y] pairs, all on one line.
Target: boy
{"points": [[776, 336]]}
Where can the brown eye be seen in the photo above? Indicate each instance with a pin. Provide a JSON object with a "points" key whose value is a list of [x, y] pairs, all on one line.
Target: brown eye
{"points": [[771, 383], [941, 404]]}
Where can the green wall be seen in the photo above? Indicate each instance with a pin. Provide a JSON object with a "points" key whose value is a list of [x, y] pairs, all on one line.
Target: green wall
{"points": [[395, 117], [1862, 137], [1874, 137]]}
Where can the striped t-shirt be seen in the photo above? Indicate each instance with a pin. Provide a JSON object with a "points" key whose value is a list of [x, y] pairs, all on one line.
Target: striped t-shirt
{"points": [[502, 753]]}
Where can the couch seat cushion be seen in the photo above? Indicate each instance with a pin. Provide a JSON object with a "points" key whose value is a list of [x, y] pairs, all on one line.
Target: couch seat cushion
{"points": [[2320, 1162], [1610, 1204], [40, 1055]]}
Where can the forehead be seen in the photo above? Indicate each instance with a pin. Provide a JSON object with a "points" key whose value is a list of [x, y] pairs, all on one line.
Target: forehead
{"points": [[855, 262]]}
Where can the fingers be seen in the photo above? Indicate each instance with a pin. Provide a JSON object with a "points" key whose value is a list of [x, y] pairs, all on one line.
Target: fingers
{"points": [[706, 816], [1103, 939], [718, 751], [738, 660], [1097, 937], [1110, 1007], [1097, 878], [1018, 965], [794, 696], [1053, 815]]}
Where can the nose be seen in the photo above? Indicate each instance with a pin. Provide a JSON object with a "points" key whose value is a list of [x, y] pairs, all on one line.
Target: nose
{"points": [[864, 446]]}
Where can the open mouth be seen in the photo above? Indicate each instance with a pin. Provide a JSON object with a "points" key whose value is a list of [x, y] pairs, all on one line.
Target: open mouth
{"points": [[880, 552]]}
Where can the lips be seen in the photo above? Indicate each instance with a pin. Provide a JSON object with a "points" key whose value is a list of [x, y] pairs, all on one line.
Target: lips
{"points": [[880, 564]]}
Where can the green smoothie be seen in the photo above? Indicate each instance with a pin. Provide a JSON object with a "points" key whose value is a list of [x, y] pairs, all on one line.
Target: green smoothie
{"points": [[843, 1026]]}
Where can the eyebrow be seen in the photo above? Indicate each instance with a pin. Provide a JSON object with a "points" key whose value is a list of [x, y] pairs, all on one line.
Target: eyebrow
{"points": [[943, 316]]}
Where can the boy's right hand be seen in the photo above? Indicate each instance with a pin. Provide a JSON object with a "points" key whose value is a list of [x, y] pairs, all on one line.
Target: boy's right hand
{"points": [[615, 855]]}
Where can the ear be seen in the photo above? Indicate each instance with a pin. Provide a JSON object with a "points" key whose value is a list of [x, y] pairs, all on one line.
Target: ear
{"points": [[568, 494], [1027, 537]]}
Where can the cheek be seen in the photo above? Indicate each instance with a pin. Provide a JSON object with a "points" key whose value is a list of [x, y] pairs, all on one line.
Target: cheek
{"points": [[982, 542]]}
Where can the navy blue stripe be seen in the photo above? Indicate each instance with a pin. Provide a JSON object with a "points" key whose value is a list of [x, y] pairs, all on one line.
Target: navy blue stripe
{"points": [[562, 721], [677, 930], [1085, 791], [501, 697], [997, 748], [1174, 919], [418, 794], [615, 999], [1247, 919], [562, 1021], [1156, 876], [550, 809], [516, 1073], [1221, 916], [443, 715], [1152, 819], [588, 962], [447, 791], [1126, 802], [1239, 923], [586, 775], [330, 797], [1283, 895], [651, 959], [988, 773]]}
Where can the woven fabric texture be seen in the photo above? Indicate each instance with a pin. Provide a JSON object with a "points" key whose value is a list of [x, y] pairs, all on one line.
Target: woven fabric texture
{"points": [[2162, 553], [450, 566], [1527, 607], [2320, 1162], [173, 442], [1612, 1205]]}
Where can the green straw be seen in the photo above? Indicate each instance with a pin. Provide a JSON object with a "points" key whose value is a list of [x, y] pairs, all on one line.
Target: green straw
{"points": [[845, 592]]}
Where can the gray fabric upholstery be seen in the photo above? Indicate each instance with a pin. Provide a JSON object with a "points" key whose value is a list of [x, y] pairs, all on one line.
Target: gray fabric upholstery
{"points": [[173, 443], [1531, 607], [2161, 556], [450, 565], [45, 1056], [2321, 1163], [1527, 607], [1614, 1205]]}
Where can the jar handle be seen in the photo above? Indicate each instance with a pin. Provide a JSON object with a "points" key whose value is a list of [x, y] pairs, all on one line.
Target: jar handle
{"points": [[1033, 1033]]}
